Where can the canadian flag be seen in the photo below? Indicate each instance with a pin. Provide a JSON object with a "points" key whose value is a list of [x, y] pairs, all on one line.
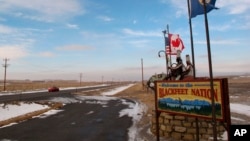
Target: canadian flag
{"points": [[175, 43]]}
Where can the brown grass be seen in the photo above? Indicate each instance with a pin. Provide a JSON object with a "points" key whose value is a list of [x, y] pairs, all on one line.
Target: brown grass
{"points": [[39, 85]]}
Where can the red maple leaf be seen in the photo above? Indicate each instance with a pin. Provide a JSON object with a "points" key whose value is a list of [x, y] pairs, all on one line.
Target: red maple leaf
{"points": [[176, 42]]}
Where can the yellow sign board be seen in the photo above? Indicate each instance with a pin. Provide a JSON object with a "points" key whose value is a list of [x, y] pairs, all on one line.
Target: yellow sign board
{"points": [[190, 98]]}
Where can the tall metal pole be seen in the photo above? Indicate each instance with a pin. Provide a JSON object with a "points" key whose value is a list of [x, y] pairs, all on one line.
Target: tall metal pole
{"points": [[165, 46], [210, 72], [5, 65], [193, 60], [170, 59], [191, 38]]}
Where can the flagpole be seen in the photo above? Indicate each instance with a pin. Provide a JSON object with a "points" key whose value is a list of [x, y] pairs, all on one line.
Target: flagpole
{"points": [[193, 60], [169, 46], [166, 55], [191, 38], [210, 73]]}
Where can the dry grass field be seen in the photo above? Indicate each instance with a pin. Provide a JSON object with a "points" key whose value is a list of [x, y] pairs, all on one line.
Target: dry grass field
{"points": [[22, 85], [239, 90]]}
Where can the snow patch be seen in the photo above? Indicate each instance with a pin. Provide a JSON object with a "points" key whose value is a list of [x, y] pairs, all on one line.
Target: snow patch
{"points": [[10, 111], [239, 119], [240, 109], [117, 90], [100, 98], [134, 110], [49, 113], [90, 112], [64, 100]]}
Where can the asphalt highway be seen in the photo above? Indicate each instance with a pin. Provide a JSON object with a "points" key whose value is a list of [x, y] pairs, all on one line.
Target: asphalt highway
{"points": [[32, 96], [85, 120]]}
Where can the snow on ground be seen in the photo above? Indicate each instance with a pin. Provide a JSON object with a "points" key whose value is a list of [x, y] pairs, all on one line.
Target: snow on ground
{"points": [[240, 109], [116, 90], [9, 111], [48, 113], [239, 119], [135, 111]]}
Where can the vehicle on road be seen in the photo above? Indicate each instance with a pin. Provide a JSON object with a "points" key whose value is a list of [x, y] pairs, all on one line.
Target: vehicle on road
{"points": [[53, 89]]}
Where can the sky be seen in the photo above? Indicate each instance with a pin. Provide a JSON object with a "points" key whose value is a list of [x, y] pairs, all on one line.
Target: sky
{"points": [[108, 39]]}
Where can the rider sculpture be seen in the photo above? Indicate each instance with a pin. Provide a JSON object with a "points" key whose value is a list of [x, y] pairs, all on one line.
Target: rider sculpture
{"points": [[178, 71]]}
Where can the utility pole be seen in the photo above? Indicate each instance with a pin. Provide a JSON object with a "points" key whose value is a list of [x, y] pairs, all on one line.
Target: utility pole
{"points": [[5, 65], [80, 79], [142, 77]]}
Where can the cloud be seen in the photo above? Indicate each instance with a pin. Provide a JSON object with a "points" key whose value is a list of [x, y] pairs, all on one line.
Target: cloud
{"points": [[12, 36], [42, 10], [228, 68], [244, 67], [18, 42], [139, 43], [2, 19], [105, 18], [105, 41], [46, 54], [219, 42], [95, 35], [235, 6], [131, 32], [246, 24], [13, 51], [127, 37], [74, 48], [220, 27], [138, 69], [6, 29], [72, 26], [180, 5]]}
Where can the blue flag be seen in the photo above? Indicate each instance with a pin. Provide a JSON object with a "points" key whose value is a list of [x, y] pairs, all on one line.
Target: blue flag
{"points": [[197, 7]]}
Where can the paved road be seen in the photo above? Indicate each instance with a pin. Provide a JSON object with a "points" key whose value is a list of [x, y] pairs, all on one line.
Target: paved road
{"points": [[80, 121], [43, 95]]}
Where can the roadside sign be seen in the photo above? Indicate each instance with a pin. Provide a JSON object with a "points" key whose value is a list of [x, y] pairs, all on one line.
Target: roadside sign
{"points": [[192, 98]]}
